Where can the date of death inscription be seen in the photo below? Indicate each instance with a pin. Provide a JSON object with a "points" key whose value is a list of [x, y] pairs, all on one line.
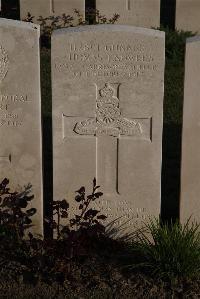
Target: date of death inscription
{"points": [[11, 110]]}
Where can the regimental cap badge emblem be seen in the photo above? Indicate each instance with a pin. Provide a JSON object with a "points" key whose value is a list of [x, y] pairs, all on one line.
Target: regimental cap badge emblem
{"points": [[3, 63], [108, 118]]}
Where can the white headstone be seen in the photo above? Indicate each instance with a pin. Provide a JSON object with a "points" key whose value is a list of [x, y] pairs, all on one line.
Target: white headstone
{"points": [[141, 13], [188, 15], [190, 174], [36, 8], [107, 116], [20, 110]]}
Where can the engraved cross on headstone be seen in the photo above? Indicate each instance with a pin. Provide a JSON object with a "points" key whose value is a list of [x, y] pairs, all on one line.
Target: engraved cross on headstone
{"points": [[128, 4], [5, 158], [52, 8], [108, 126]]}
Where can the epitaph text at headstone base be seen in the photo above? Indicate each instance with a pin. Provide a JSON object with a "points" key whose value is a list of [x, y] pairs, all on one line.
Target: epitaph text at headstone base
{"points": [[141, 13], [20, 111], [190, 168], [46, 8], [107, 116]]}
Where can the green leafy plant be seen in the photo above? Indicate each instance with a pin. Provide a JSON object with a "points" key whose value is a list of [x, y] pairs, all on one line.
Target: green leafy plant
{"points": [[95, 17], [79, 234], [50, 23], [15, 218], [89, 217], [175, 44], [87, 222], [169, 251], [48, 259]]}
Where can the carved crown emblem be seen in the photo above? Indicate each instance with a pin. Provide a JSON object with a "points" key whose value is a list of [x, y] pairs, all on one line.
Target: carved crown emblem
{"points": [[3, 63], [108, 119], [106, 92]]}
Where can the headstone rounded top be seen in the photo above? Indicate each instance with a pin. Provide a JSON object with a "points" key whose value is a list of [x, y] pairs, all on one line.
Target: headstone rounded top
{"points": [[193, 39], [19, 24], [111, 28]]}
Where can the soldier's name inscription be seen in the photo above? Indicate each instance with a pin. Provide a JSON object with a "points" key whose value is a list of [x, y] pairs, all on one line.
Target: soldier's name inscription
{"points": [[110, 60]]}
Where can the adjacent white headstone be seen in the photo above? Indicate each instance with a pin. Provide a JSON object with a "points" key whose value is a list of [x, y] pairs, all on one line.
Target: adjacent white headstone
{"points": [[190, 176], [36, 8], [20, 110], [188, 15], [46, 8], [141, 13], [60, 6], [107, 116]]}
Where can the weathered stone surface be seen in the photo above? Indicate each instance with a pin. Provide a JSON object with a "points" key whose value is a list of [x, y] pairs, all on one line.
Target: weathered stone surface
{"points": [[141, 13], [36, 8], [20, 110], [107, 116], [190, 174], [60, 6], [188, 15], [46, 8]]}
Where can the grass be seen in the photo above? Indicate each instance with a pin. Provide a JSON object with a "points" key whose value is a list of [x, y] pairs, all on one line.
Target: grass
{"points": [[169, 251], [165, 263]]}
